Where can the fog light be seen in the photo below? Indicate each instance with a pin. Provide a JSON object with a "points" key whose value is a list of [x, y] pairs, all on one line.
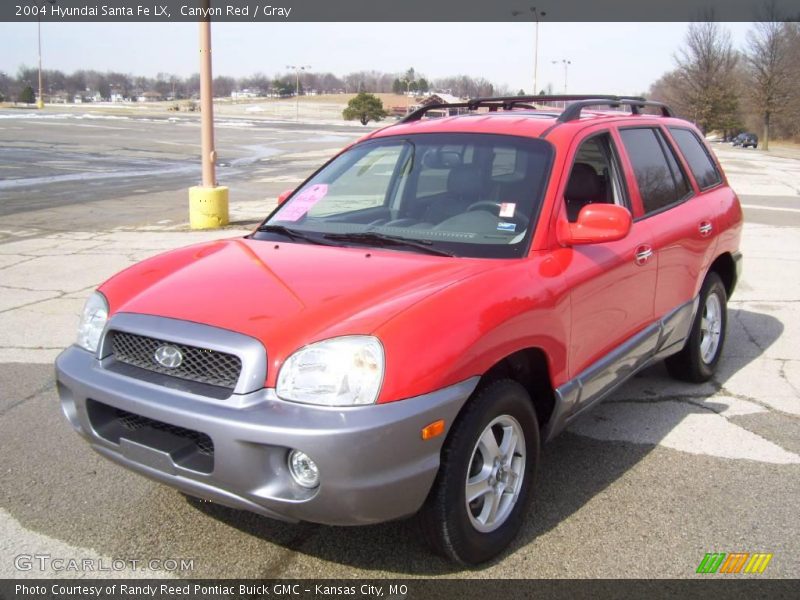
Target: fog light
{"points": [[304, 470]]}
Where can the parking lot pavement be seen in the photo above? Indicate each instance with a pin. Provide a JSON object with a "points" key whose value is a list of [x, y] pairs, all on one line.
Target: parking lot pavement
{"points": [[643, 486], [768, 185]]}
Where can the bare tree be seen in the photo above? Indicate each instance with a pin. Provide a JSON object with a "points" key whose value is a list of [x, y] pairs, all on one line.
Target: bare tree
{"points": [[704, 79], [769, 65]]}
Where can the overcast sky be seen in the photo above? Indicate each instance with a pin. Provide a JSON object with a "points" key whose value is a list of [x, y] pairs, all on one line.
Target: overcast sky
{"points": [[620, 58]]}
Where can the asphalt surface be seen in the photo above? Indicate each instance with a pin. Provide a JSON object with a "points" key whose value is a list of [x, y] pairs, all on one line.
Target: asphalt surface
{"points": [[643, 486], [88, 167]]}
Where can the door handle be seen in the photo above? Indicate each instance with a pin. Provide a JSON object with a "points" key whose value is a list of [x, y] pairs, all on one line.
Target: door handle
{"points": [[643, 254], [705, 228]]}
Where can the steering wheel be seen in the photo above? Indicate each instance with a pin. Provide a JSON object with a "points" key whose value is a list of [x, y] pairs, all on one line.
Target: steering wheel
{"points": [[519, 218]]}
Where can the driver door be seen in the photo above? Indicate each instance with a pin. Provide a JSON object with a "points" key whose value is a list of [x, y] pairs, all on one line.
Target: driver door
{"points": [[612, 284]]}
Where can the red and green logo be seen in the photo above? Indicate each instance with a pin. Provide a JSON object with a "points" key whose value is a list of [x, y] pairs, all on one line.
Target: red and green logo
{"points": [[736, 562]]}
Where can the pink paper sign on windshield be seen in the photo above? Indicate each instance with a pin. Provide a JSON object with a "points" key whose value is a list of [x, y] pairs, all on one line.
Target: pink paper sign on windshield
{"points": [[302, 203]]}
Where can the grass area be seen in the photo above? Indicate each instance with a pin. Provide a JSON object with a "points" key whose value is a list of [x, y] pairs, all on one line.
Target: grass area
{"points": [[326, 107], [342, 99]]}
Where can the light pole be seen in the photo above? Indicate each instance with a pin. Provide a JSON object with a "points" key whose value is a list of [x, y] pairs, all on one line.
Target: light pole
{"points": [[408, 83], [40, 101], [537, 14], [208, 202], [297, 69], [566, 64]]}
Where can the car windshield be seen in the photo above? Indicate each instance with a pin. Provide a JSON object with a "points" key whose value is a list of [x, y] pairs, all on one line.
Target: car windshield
{"points": [[474, 195]]}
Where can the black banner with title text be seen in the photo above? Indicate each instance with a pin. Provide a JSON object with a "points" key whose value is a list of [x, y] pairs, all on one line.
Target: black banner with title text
{"points": [[392, 11], [405, 589]]}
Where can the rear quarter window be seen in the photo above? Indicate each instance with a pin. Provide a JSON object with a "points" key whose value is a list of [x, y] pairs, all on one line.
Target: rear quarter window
{"points": [[700, 162]]}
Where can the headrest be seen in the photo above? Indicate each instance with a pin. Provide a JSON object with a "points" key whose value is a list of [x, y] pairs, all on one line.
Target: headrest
{"points": [[584, 184], [441, 159], [464, 180]]}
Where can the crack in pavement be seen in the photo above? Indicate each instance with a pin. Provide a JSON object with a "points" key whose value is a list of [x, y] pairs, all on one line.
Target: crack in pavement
{"points": [[291, 553], [782, 374], [737, 315], [46, 387]]}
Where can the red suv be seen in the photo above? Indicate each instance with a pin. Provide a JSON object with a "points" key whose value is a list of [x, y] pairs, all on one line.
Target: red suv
{"points": [[408, 327]]}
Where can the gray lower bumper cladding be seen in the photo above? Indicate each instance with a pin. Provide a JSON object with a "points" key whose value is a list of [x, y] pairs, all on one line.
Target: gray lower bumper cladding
{"points": [[373, 464]]}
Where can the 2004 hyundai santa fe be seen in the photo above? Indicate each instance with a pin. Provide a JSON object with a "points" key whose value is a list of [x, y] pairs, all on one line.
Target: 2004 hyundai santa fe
{"points": [[409, 326]]}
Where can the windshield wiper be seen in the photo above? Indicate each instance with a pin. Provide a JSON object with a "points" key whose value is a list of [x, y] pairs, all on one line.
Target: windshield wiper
{"points": [[291, 233], [382, 239]]}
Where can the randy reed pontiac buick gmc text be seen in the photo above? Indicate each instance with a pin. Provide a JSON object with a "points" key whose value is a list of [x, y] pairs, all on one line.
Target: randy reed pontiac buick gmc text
{"points": [[406, 329]]}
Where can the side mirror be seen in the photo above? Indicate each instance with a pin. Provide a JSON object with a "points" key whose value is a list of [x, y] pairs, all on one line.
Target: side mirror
{"points": [[284, 195], [597, 223]]}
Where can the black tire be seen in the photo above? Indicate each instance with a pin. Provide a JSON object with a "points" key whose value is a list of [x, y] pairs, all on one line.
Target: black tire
{"points": [[445, 519], [693, 363]]}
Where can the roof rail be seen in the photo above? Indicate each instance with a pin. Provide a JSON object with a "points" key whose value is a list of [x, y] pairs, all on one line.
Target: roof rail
{"points": [[420, 112], [573, 111], [510, 101], [570, 113]]}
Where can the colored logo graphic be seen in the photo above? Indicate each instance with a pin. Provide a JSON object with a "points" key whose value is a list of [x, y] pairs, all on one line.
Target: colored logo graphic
{"points": [[736, 562]]}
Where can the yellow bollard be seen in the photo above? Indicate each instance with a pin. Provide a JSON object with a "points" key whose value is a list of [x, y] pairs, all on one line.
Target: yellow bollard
{"points": [[40, 103], [208, 207]]}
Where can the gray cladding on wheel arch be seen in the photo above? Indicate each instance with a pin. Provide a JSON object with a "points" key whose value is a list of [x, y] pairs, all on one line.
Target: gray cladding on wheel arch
{"points": [[251, 351]]}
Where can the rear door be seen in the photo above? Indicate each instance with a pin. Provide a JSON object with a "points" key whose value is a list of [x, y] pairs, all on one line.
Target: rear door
{"points": [[678, 212]]}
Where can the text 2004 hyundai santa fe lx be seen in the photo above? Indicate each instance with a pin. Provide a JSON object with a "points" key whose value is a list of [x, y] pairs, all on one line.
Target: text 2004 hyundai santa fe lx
{"points": [[410, 324]]}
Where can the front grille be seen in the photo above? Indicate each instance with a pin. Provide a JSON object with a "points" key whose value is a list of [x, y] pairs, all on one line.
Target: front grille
{"points": [[133, 422], [199, 364]]}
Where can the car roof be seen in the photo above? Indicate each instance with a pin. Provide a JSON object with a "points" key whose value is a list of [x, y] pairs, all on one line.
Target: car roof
{"points": [[530, 116], [519, 122]]}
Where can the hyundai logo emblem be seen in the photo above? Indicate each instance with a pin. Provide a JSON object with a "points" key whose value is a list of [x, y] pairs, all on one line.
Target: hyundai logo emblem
{"points": [[168, 356]]}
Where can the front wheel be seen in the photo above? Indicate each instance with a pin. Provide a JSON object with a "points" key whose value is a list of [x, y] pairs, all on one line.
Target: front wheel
{"points": [[481, 493], [698, 359]]}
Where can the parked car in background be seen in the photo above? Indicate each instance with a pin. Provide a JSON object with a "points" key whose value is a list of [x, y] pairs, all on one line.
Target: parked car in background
{"points": [[409, 325], [746, 140]]}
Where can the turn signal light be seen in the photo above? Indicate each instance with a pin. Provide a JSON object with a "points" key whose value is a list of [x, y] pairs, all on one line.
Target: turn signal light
{"points": [[434, 429]]}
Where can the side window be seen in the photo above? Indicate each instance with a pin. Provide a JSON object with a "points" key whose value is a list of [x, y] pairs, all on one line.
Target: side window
{"points": [[700, 163], [659, 177], [595, 176]]}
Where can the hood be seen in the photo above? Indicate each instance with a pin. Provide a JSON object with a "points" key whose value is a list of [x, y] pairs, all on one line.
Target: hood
{"points": [[284, 294]]}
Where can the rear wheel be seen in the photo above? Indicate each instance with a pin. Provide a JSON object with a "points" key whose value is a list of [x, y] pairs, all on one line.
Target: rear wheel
{"points": [[481, 493], [699, 358]]}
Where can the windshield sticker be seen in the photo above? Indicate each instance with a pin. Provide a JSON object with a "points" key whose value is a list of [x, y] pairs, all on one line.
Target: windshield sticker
{"points": [[507, 209], [502, 226], [302, 203]]}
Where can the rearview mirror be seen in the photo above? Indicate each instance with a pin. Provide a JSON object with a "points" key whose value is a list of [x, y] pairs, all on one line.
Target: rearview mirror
{"points": [[284, 195], [597, 223]]}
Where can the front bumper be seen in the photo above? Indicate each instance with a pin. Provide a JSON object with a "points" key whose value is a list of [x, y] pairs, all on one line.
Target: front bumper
{"points": [[373, 464]]}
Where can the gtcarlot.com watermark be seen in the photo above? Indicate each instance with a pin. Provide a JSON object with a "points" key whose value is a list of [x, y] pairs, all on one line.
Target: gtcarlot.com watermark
{"points": [[48, 562]]}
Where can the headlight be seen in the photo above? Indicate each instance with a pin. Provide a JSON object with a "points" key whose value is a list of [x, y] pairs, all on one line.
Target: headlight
{"points": [[93, 320], [342, 371]]}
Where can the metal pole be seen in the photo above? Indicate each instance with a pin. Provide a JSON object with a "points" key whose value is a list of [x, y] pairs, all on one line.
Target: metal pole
{"points": [[536, 56], [209, 155], [297, 94], [537, 14], [40, 103], [566, 64]]}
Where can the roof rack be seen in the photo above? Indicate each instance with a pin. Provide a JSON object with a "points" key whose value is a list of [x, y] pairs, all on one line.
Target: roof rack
{"points": [[571, 112], [508, 102]]}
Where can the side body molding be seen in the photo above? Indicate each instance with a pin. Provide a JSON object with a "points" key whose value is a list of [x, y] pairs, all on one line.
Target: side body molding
{"points": [[666, 336]]}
